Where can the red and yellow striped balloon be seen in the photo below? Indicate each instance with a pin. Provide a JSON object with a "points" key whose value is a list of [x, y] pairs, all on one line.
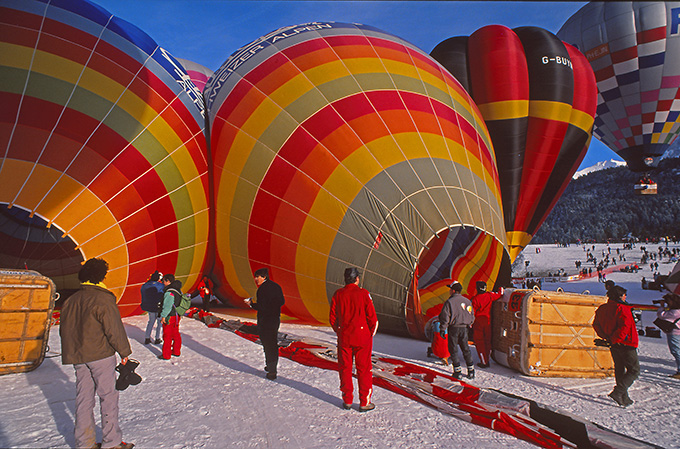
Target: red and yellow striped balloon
{"points": [[102, 150], [339, 145]]}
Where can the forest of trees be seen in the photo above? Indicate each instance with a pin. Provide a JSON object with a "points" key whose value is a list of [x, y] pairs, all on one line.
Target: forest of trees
{"points": [[602, 206]]}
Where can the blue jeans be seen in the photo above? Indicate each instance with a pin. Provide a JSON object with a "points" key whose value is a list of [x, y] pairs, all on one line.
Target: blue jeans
{"points": [[674, 346], [153, 318]]}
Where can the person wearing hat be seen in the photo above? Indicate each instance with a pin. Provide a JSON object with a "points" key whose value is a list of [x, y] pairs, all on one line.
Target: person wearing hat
{"points": [[355, 322], [92, 332], [481, 329], [152, 298], [268, 302], [614, 323], [670, 311], [456, 316]]}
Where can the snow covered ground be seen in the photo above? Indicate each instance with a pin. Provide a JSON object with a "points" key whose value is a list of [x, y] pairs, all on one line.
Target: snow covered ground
{"points": [[215, 395]]}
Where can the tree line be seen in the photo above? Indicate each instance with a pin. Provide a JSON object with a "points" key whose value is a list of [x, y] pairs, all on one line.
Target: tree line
{"points": [[602, 206]]}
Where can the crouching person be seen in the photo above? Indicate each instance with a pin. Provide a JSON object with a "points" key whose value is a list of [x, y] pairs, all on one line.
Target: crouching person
{"points": [[92, 333]]}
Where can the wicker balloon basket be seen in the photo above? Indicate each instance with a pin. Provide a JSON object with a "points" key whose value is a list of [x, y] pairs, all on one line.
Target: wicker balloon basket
{"points": [[549, 334], [26, 303]]}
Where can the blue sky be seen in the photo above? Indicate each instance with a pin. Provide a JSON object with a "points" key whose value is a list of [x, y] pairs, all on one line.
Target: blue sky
{"points": [[208, 31]]}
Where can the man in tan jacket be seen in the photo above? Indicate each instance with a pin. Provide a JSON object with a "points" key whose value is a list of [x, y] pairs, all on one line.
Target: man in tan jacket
{"points": [[92, 333]]}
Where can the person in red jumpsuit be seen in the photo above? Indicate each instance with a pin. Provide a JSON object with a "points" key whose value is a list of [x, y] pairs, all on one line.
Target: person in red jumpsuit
{"points": [[354, 321], [614, 322], [481, 329]]}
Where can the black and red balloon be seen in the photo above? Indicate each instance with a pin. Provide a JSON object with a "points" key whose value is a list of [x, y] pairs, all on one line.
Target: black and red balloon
{"points": [[537, 95]]}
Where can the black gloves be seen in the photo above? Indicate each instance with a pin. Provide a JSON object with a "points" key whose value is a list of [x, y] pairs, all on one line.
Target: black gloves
{"points": [[601, 342], [127, 375]]}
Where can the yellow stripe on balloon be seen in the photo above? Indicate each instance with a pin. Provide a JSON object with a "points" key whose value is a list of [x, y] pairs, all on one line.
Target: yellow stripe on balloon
{"points": [[436, 146], [357, 66], [582, 120], [550, 110], [327, 72], [227, 226], [505, 110], [261, 118], [99, 235], [411, 145], [517, 241], [291, 90]]}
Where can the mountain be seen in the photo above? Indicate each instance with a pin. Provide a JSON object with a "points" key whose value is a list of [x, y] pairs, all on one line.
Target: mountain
{"points": [[602, 205], [673, 150], [599, 166]]}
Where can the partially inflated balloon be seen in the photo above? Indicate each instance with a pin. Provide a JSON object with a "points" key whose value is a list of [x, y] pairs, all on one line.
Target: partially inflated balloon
{"points": [[634, 49], [339, 145], [103, 150], [198, 74], [537, 96]]}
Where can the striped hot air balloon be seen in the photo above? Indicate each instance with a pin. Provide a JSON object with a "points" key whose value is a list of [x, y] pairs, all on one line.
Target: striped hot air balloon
{"points": [[537, 96], [634, 49], [340, 145], [103, 152]]}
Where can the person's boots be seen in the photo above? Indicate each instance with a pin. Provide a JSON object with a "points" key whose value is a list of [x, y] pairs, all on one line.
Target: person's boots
{"points": [[457, 372], [617, 396], [627, 400], [471, 372]]}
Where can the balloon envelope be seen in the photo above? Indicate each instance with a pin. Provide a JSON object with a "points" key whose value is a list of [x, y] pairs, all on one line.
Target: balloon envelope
{"points": [[537, 96], [198, 74], [103, 150], [633, 48], [340, 145]]}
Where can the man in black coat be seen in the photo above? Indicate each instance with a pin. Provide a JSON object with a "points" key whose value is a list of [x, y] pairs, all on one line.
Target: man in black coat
{"points": [[268, 302]]}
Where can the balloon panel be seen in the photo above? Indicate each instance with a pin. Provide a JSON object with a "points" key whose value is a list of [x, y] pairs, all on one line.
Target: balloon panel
{"points": [[339, 145], [466, 255], [104, 153], [631, 47], [538, 106], [198, 73]]}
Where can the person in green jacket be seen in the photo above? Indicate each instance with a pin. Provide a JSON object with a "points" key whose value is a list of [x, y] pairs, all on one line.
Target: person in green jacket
{"points": [[92, 333]]}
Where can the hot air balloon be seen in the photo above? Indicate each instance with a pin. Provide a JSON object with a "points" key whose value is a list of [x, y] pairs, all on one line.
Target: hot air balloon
{"points": [[339, 145], [633, 48], [103, 150], [198, 74], [537, 96]]}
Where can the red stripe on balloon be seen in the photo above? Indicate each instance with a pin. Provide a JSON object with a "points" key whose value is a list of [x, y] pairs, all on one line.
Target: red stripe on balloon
{"points": [[500, 73], [544, 140]]}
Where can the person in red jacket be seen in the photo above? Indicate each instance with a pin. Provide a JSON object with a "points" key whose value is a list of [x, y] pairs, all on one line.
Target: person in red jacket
{"points": [[354, 320], [481, 329], [614, 322]]}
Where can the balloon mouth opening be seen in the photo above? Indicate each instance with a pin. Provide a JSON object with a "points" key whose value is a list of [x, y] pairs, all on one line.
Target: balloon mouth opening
{"points": [[31, 243]]}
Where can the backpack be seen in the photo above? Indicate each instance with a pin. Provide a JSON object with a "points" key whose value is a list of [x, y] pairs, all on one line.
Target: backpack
{"points": [[184, 302]]}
